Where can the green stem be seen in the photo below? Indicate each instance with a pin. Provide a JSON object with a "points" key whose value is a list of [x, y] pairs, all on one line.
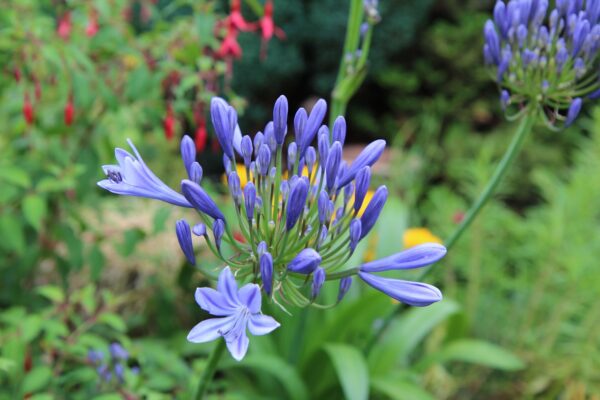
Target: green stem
{"points": [[209, 371], [523, 130]]}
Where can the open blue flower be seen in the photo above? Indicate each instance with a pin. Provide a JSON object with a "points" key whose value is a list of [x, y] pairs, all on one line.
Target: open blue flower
{"points": [[132, 177], [239, 309]]}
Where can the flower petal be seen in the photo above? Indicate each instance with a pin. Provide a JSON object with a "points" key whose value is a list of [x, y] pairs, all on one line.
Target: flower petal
{"points": [[412, 293], [238, 345], [227, 286], [260, 324], [415, 257], [213, 302], [210, 329], [249, 296]]}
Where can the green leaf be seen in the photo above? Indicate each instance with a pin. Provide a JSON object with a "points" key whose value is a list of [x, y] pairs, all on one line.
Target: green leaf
{"points": [[6, 364], [405, 333], [34, 210], [36, 379], [41, 396], [53, 293], [15, 175], [11, 232], [114, 321], [475, 352], [96, 259], [351, 368], [280, 369], [400, 389]]}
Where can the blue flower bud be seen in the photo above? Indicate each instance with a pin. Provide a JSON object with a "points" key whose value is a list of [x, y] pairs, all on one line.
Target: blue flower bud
{"points": [[118, 352], [199, 229], [218, 230], [305, 262], [492, 41], [261, 248], [348, 192], [200, 200], [296, 202], [184, 237], [355, 233], [323, 207], [339, 130], [250, 200], [292, 153], [227, 164], [196, 172], [280, 113], [258, 141], [272, 173], [573, 112], [500, 18], [299, 123], [263, 159], [521, 35], [95, 356], [323, 144], [224, 120], [415, 257], [188, 153], [235, 186], [247, 149], [311, 126], [333, 164], [119, 372], [363, 179], [345, 284], [368, 156], [310, 158], [323, 235], [318, 280], [266, 272], [373, 210], [269, 139]]}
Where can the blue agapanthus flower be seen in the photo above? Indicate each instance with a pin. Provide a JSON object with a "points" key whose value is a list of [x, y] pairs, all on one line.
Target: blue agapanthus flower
{"points": [[547, 56], [301, 210], [239, 310]]}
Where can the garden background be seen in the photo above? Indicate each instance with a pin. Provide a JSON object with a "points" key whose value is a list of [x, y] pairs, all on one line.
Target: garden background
{"points": [[83, 269]]}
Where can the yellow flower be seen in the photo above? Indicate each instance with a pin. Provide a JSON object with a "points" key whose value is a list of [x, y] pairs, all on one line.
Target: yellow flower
{"points": [[241, 171], [415, 236]]}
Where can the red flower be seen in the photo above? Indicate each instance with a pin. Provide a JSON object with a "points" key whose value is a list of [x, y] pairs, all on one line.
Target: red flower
{"points": [[268, 28], [92, 26], [17, 74], [230, 46], [169, 123], [69, 111], [200, 138], [28, 113], [64, 26], [236, 19]]}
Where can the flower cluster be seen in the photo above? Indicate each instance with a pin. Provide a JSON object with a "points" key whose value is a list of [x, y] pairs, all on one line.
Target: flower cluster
{"points": [[549, 57], [113, 369], [300, 212]]}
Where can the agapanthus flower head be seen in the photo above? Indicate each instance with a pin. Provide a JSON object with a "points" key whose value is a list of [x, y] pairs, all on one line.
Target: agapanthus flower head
{"points": [[548, 57], [298, 218]]}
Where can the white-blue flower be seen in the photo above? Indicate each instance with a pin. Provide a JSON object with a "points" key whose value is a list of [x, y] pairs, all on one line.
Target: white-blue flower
{"points": [[239, 309]]}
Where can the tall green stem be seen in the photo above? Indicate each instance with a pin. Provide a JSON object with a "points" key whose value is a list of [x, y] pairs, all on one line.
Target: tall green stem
{"points": [[515, 146], [209, 371], [513, 149]]}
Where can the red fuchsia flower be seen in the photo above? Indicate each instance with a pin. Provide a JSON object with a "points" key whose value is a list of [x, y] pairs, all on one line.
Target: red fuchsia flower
{"points": [[236, 19], [169, 123], [69, 111], [28, 112], [230, 46], [92, 26], [268, 28], [200, 137], [64, 26]]}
